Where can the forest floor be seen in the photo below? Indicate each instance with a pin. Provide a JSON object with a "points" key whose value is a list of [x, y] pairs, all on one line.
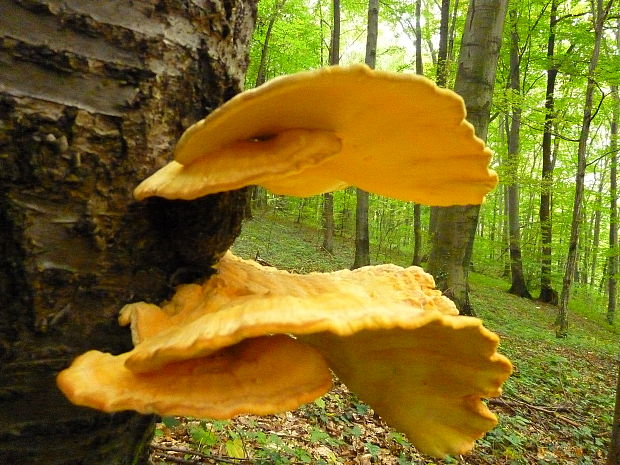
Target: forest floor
{"points": [[556, 408]]}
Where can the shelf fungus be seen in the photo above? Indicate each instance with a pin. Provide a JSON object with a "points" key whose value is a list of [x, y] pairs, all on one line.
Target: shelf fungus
{"points": [[255, 339], [394, 134]]}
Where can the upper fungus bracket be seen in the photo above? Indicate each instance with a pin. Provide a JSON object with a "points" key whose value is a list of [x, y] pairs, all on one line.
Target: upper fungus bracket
{"points": [[393, 134]]}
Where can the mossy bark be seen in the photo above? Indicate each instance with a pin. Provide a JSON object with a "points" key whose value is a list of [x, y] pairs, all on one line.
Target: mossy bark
{"points": [[92, 97]]}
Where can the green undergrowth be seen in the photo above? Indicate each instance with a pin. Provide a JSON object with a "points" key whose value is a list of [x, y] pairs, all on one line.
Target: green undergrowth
{"points": [[556, 409]]}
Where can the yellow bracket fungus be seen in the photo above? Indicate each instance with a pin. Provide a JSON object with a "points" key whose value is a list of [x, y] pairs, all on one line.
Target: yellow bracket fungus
{"points": [[390, 336], [397, 135], [254, 339]]}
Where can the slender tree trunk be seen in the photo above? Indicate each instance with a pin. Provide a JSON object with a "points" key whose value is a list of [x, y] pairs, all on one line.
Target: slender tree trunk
{"points": [[613, 209], [452, 31], [456, 226], [441, 79], [417, 209], [261, 74], [547, 293], [328, 198], [92, 99], [362, 241], [596, 233], [518, 286], [442, 53], [599, 16]]}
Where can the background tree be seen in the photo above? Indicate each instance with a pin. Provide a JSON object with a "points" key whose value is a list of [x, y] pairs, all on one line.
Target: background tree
{"points": [[455, 227], [513, 128], [599, 15], [417, 208], [328, 197], [612, 288], [362, 241], [547, 294], [92, 99]]}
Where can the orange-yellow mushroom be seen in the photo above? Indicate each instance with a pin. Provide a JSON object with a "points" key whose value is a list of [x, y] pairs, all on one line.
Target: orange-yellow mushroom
{"points": [[384, 330], [262, 376], [393, 134], [254, 339]]}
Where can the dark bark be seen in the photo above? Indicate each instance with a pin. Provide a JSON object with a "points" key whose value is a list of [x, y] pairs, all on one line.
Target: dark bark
{"points": [[442, 52], [328, 222], [518, 286], [92, 97], [328, 198], [417, 209], [547, 293], [362, 241], [455, 227]]}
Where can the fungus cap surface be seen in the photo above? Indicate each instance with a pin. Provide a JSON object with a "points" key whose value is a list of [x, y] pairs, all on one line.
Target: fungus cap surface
{"points": [[388, 335], [401, 136], [224, 348], [260, 376]]}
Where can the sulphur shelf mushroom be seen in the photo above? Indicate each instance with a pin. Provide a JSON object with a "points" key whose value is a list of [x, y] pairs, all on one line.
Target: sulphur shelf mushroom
{"points": [[397, 135], [254, 339]]}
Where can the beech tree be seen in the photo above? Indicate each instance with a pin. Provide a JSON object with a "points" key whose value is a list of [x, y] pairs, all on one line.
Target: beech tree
{"points": [[362, 240], [518, 285], [455, 227], [600, 11], [93, 96], [328, 197]]}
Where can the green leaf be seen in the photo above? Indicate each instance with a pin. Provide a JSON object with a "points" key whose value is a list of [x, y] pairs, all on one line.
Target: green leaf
{"points": [[203, 437], [234, 448], [170, 422]]}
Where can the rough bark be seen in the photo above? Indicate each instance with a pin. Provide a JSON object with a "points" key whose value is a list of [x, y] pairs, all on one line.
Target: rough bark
{"points": [[600, 14], [362, 240], [92, 97], [518, 286], [455, 227]]}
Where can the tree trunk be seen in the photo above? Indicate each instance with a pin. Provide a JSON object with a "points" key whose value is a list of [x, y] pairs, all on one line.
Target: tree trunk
{"points": [[518, 286], [547, 293], [613, 209], [362, 241], [261, 74], [93, 96], [417, 209], [596, 233], [442, 53], [328, 222], [455, 227], [328, 198], [599, 16]]}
